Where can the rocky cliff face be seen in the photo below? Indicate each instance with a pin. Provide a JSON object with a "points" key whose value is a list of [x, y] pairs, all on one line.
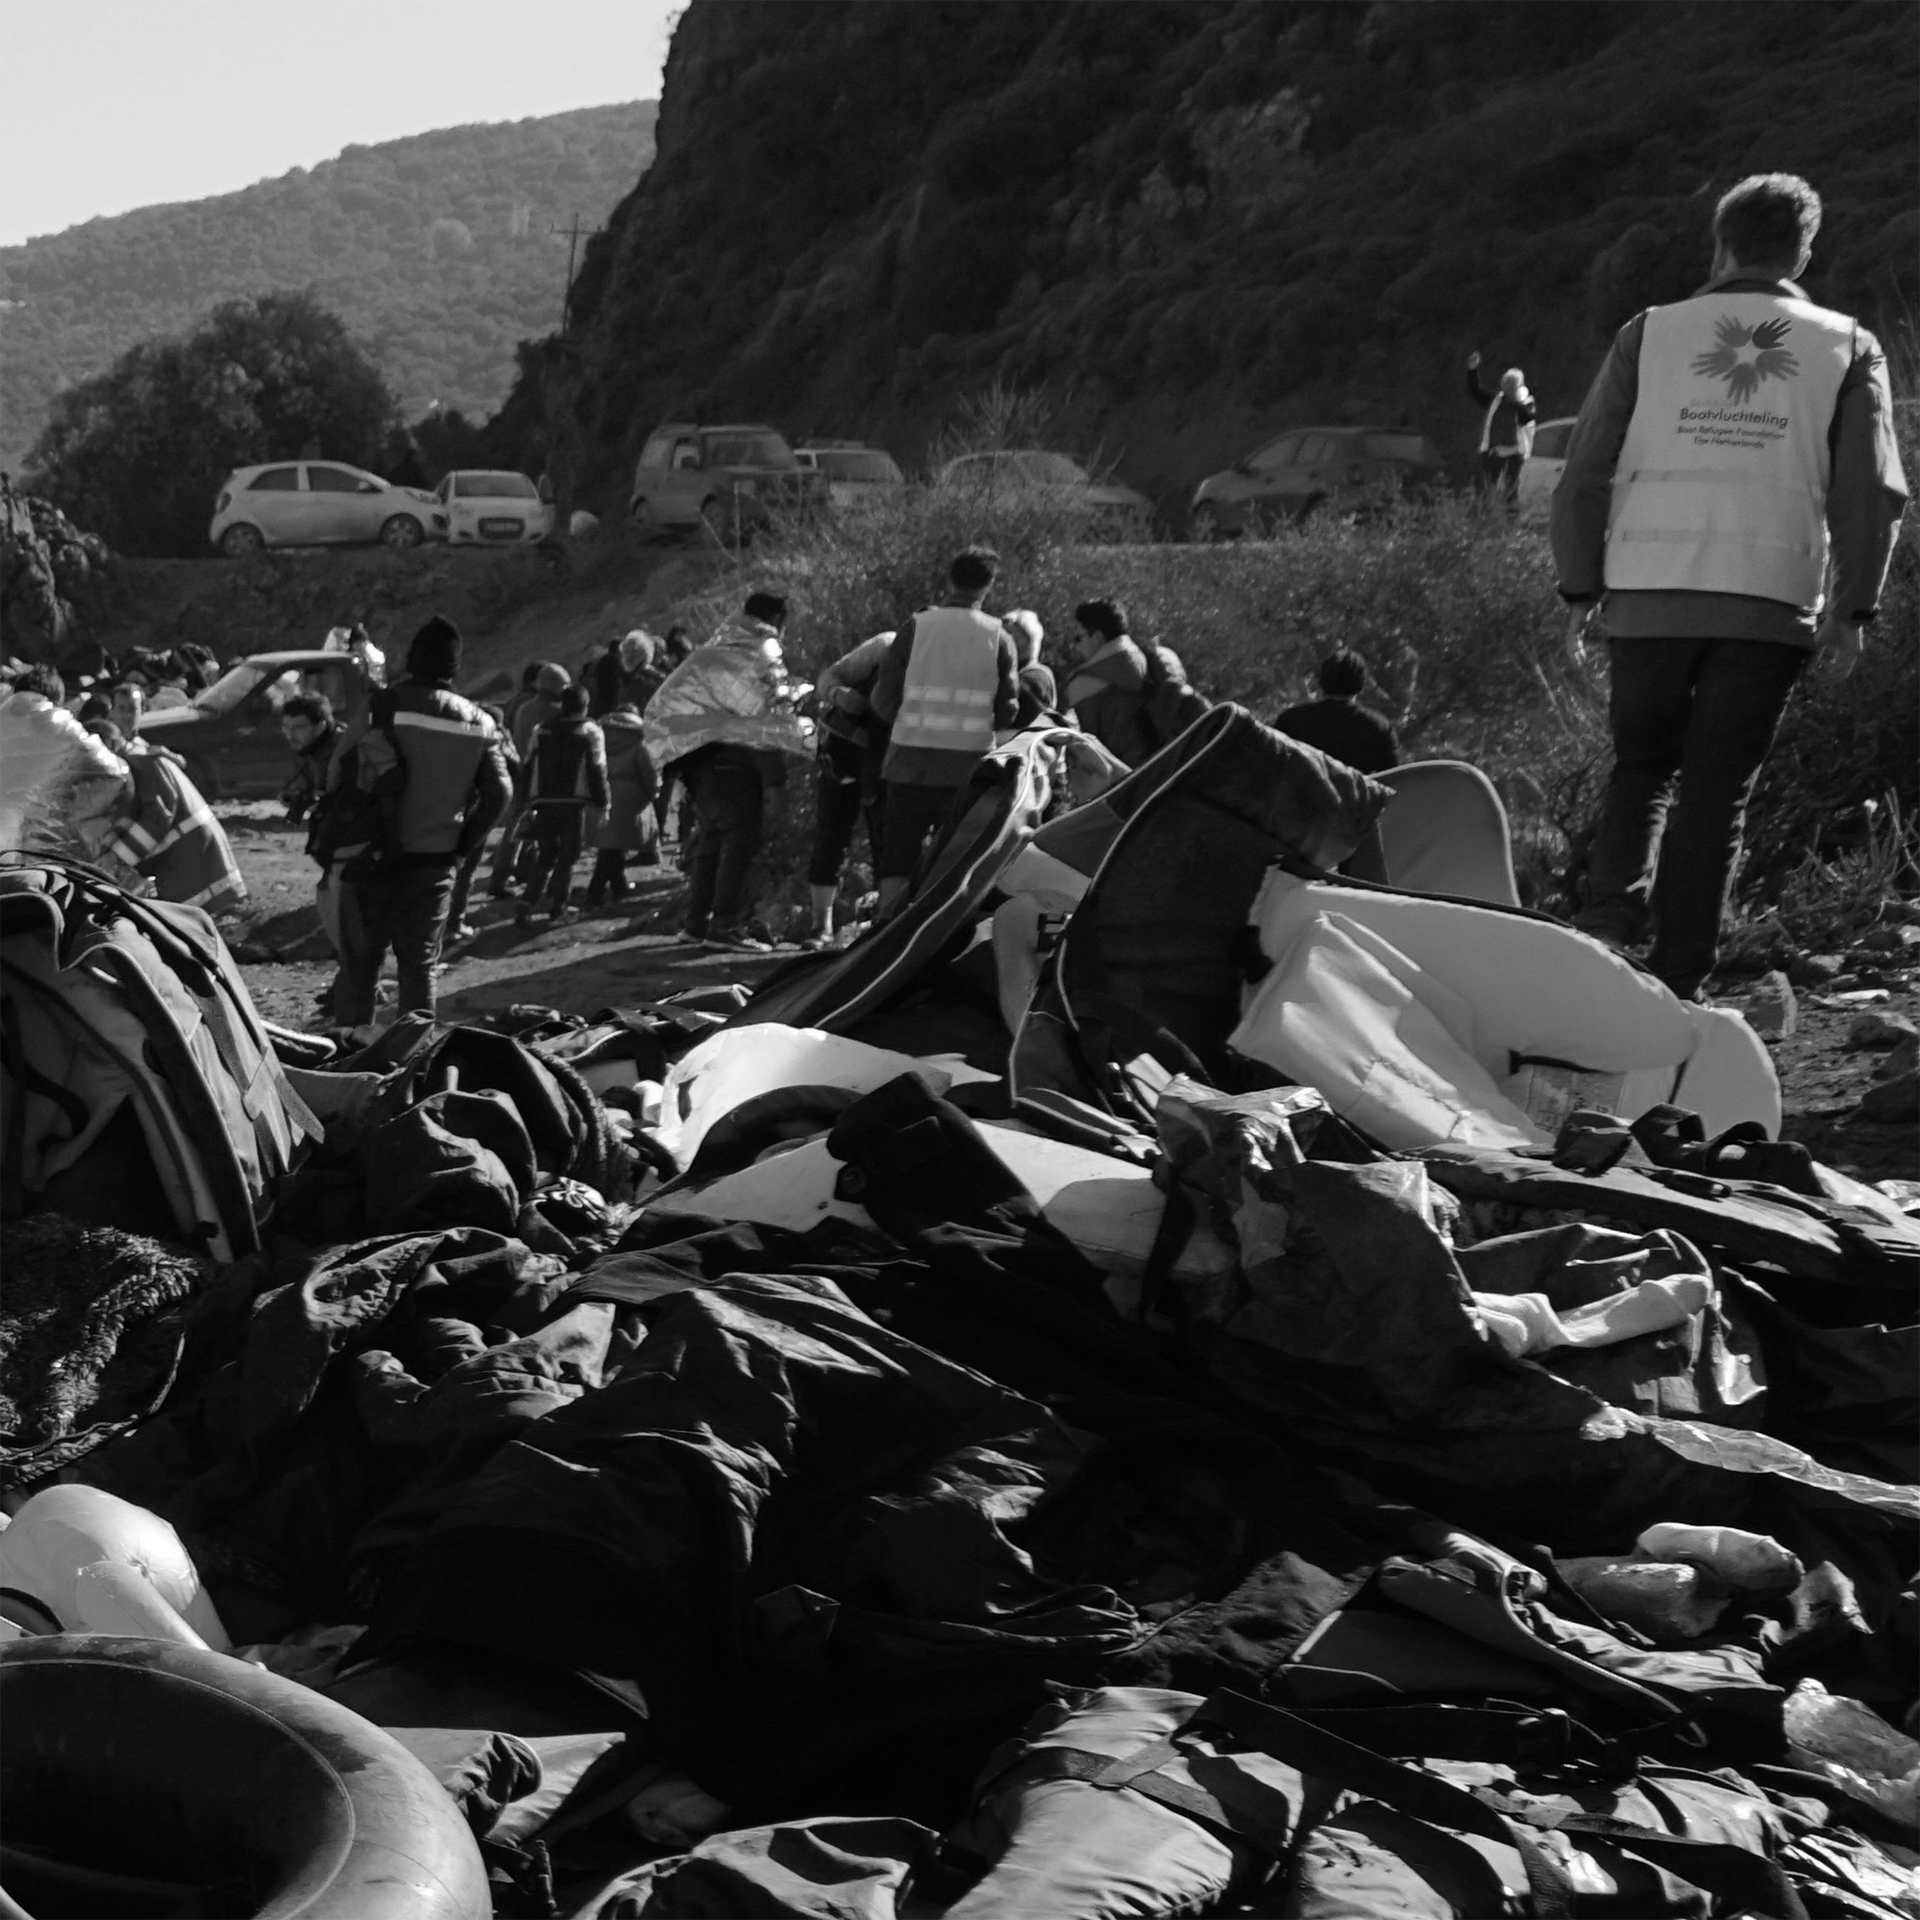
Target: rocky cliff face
{"points": [[48, 570], [1194, 221]]}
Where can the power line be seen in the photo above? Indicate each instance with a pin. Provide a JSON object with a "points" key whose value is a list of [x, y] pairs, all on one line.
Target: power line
{"points": [[572, 232]]}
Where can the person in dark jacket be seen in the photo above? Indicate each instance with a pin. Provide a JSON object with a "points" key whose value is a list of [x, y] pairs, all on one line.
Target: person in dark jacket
{"points": [[565, 779], [307, 725], [628, 827], [1108, 689], [1039, 693], [434, 762], [848, 784], [1506, 432], [1338, 724]]}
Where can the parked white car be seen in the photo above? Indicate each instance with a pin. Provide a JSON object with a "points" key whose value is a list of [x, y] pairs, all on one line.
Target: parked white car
{"points": [[858, 476], [1540, 472], [319, 503], [1037, 473], [486, 508]]}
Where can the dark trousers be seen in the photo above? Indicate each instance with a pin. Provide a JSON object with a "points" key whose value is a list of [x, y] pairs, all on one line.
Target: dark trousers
{"points": [[463, 883], [1500, 473], [608, 881], [1692, 721], [402, 907], [838, 803], [729, 801], [913, 813], [559, 827]]}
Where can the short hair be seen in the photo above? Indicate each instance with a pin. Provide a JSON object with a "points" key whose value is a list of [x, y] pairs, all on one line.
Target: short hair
{"points": [[768, 607], [573, 700], [108, 735], [974, 570], [531, 672], [1767, 218], [1343, 674], [43, 680], [1108, 618], [309, 706]]}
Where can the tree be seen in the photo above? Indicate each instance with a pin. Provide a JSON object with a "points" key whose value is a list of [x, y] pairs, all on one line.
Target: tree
{"points": [[138, 453]]}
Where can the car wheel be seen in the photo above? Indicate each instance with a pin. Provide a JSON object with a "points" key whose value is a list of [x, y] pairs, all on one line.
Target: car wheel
{"points": [[241, 539], [1203, 524], [205, 777], [402, 531]]}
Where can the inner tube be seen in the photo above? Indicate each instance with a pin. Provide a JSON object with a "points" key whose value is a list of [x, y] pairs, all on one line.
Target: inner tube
{"points": [[144, 1778]]}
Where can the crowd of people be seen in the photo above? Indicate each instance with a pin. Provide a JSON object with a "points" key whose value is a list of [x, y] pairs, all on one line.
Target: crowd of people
{"points": [[1711, 616]]}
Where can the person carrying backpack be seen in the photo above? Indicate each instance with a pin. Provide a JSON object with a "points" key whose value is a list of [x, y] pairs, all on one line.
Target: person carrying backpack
{"points": [[1131, 697], [566, 782]]}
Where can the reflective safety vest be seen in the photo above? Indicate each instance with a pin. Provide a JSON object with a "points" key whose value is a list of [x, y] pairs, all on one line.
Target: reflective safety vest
{"points": [[1721, 483], [953, 675], [173, 838]]}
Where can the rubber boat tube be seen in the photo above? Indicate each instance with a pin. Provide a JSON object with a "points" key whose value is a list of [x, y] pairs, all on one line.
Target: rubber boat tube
{"points": [[142, 1777]]}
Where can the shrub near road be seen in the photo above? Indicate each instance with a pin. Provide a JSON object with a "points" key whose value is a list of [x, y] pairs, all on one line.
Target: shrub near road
{"points": [[1454, 612]]}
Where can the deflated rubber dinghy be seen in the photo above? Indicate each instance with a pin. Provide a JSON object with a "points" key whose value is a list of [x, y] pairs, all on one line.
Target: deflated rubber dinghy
{"points": [[142, 1778]]}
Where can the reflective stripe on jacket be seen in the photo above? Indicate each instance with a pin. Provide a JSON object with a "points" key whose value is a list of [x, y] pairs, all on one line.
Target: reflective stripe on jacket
{"points": [[454, 779], [1721, 482], [173, 838], [952, 680]]}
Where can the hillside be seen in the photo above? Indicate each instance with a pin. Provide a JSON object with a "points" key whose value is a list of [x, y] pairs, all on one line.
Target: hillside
{"points": [[1195, 221], [437, 251]]}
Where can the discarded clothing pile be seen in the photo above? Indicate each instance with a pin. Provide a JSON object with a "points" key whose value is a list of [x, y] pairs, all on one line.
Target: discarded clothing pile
{"points": [[1028, 1416]]}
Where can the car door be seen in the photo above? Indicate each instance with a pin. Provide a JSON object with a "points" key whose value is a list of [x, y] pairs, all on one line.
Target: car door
{"points": [[1272, 477], [255, 760], [346, 504], [273, 502]]}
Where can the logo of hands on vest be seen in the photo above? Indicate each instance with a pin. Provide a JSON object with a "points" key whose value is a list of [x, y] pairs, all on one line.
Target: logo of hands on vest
{"points": [[1745, 356]]}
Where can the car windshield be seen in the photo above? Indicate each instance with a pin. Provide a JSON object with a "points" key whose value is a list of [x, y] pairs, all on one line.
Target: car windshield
{"points": [[1550, 443], [750, 450], [1276, 453], [494, 486], [857, 464], [232, 687]]}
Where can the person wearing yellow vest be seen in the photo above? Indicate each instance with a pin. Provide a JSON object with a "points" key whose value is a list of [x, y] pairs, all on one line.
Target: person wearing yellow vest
{"points": [[950, 679], [170, 835], [1730, 499]]}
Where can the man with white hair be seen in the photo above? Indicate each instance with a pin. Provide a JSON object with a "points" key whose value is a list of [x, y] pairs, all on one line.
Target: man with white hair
{"points": [[1506, 433]]}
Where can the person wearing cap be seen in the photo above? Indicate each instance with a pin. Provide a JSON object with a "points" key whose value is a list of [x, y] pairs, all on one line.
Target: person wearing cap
{"points": [[1731, 497], [433, 761], [1039, 692], [1338, 724], [537, 702], [565, 781]]}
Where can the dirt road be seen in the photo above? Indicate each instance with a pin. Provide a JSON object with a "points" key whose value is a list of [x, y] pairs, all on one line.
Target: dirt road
{"points": [[620, 956]]}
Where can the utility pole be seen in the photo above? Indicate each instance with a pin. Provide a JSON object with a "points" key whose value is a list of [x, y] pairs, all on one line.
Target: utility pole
{"points": [[573, 248]]}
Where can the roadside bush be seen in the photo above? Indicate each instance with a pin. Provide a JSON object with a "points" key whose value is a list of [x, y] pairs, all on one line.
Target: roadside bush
{"points": [[1453, 610]]}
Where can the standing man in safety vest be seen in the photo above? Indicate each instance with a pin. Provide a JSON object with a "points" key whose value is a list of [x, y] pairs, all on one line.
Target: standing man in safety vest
{"points": [[951, 677], [1730, 446]]}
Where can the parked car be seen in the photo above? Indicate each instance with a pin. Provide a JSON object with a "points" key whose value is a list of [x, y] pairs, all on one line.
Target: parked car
{"points": [[1035, 471], [487, 508], [731, 479], [1295, 474], [1541, 471], [316, 503], [858, 476], [229, 733]]}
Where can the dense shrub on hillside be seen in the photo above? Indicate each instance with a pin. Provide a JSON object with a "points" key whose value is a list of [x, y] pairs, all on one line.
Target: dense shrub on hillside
{"points": [[438, 251], [1453, 610], [138, 453]]}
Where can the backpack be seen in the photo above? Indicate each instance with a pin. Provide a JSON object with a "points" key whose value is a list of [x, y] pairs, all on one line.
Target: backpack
{"points": [[134, 1067], [1171, 706]]}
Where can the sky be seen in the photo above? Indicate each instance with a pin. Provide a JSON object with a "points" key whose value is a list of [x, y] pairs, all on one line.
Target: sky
{"points": [[107, 105]]}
